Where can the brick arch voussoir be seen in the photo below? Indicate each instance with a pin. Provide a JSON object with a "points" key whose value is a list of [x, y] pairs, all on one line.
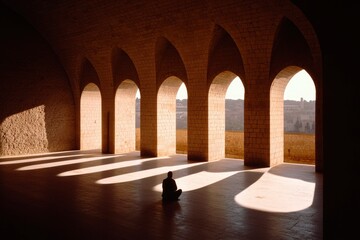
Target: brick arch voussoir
{"points": [[88, 75], [168, 62], [224, 55], [123, 68]]}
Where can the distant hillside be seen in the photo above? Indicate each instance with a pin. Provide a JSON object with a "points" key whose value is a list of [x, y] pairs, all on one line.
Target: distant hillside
{"points": [[299, 116]]}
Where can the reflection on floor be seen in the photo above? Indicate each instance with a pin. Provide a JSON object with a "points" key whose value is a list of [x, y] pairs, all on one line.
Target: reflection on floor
{"points": [[87, 195]]}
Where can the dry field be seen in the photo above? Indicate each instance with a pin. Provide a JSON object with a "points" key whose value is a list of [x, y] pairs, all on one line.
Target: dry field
{"points": [[298, 148]]}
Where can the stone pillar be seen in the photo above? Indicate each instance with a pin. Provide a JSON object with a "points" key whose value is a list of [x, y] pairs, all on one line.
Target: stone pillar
{"points": [[197, 118], [256, 126], [148, 116]]}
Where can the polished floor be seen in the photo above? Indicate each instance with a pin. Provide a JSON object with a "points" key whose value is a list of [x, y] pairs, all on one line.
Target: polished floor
{"points": [[87, 195]]}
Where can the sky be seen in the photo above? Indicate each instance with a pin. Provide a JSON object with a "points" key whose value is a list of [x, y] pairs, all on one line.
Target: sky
{"points": [[300, 86]]}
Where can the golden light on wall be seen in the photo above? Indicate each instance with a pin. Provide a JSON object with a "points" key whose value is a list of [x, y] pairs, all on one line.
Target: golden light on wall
{"points": [[24, 130]]}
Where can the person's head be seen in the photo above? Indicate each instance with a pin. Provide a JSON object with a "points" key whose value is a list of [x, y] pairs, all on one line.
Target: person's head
{"points": [[170, 174]]}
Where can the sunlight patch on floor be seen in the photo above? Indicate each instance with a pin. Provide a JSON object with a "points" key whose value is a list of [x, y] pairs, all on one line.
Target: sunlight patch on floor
{"points": [[62, 163], [128, 177], [106, 167], [198, 180], [273, 193], [38, 159]]}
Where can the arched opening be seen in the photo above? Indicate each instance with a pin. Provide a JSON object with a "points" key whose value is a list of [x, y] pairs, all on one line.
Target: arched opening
{"points": [[216, 114], [125, 117], [299, 119], [90, 118], [234, 120], [292, 122], [166, 116], [224, 65], [181, 120]]}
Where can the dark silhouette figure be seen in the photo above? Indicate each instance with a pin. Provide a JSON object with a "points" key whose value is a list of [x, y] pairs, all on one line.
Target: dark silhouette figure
{"points": [[170, 191]]}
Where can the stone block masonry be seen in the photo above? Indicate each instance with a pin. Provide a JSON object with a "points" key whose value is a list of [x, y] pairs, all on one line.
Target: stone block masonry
{"points": [[155, 47]]}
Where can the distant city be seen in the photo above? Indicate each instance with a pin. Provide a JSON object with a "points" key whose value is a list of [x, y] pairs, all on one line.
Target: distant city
{"points": [[299, 116]]}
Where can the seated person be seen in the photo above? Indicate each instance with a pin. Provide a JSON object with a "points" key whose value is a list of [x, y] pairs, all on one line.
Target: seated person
{"points": [[170, 191]]}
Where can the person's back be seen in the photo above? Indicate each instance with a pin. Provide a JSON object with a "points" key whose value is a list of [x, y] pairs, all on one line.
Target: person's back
{"points": [[170, 191]]}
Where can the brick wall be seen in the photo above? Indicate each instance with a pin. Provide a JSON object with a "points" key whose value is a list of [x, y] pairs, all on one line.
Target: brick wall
{"points": [[194, 42], [37, 112]]}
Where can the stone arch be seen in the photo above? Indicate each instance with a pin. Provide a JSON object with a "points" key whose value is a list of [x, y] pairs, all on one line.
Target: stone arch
{"points": [[290, 48], [166, 116], [224, 55], [224, 64], [216, 114], [126, 82], [125, 116], [168, 62], [291, 52], [88, 74], [170, 74], [123, 68], [90, 118], [277, 90]]}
